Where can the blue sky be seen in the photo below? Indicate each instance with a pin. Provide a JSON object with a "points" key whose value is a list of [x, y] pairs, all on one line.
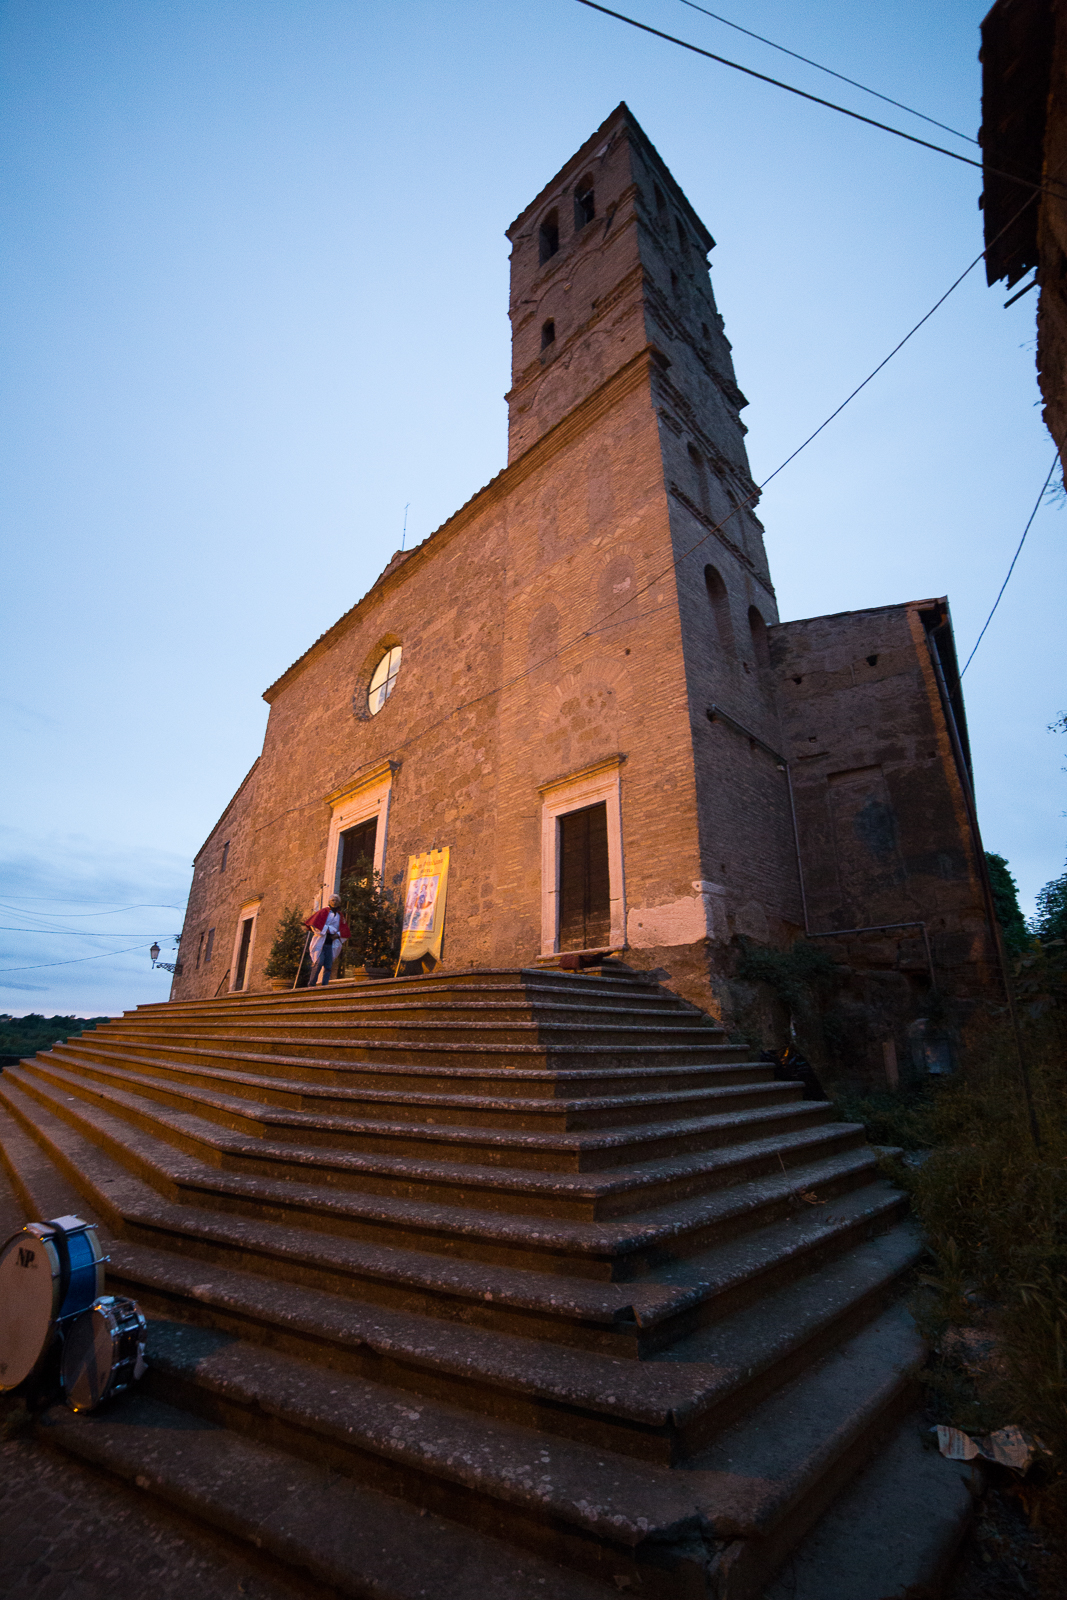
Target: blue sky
{"points": [[253, 296]]}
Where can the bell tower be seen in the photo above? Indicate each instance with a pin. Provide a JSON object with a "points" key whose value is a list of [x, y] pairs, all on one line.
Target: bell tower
{"points": [[611, 259]]}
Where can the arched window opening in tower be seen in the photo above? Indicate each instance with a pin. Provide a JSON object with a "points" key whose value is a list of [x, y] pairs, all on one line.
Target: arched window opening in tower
{"points": [[584, 204], [548, 237], [683, 239], [383, 680], [719, 601], [760, 647], [548, 334], [661, 207]]}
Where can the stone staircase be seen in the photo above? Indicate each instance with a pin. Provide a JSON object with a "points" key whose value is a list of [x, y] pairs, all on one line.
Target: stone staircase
{"points": [[516, 1281]]}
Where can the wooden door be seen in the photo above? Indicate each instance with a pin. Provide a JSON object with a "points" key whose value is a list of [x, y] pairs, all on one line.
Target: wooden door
{"points": [[584, 886]]}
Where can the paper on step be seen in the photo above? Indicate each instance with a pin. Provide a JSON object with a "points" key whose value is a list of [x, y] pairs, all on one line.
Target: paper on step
{"points": [[1010, 1447]]}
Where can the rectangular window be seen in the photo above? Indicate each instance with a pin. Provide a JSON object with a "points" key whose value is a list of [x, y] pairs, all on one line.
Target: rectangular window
{"points": [[225, 856], [584, 888], [210, 945], [199, 950]]}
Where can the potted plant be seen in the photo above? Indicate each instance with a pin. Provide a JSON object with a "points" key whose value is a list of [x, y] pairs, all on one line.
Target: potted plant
{"points": [[290, 938], [367, 906]]}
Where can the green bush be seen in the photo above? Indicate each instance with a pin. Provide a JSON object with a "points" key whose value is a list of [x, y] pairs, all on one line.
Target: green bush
{"points": [[368, 908], [290, 937], [797, 975], [1006, 903]]}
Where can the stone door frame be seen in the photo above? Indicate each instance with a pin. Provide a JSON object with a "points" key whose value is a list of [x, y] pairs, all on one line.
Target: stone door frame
{"points": [[355, 802], [572, 793]]}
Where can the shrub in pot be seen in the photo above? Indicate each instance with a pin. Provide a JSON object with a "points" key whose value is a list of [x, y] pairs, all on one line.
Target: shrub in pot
{"points": [[290, 936], [368, 908]]}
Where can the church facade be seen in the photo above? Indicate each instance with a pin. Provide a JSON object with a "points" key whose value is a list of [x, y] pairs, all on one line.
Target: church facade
{"points": [[581, 686]]}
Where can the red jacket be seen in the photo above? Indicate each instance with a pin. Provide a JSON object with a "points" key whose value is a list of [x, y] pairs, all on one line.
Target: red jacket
{"points": [[318, 922]]}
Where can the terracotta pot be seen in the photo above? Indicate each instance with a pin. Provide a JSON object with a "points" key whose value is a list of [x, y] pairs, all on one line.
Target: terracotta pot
{"points": [[280, 983]]}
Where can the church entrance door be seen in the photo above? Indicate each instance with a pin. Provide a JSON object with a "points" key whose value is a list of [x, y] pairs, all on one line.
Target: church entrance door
{"points": [[357, 844], [242, 954], [584, 886]]}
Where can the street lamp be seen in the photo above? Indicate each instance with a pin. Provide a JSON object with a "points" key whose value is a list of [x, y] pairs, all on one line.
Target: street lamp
{"points": [[166, 966]]}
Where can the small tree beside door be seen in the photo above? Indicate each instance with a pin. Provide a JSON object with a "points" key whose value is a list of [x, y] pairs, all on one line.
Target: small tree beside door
{"points": [[370, 911]]}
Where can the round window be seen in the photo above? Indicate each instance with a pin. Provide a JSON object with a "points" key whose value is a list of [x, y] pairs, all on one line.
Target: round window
{"points": [[382, 680]]}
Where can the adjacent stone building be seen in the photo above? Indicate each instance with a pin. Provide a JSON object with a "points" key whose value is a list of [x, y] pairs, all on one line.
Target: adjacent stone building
{"points": [[1024, 189], [580, 683]]}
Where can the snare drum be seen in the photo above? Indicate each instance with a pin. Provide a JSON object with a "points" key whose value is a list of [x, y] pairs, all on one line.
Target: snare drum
{"points": [[103, 1352], [49, 1271]]}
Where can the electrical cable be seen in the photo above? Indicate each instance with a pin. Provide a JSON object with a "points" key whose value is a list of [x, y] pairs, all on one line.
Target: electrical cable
{"points": [[79, 933], [41, 966], [1014, 559], [790, 88], [808, 62], [142, 905], [589, 632]]}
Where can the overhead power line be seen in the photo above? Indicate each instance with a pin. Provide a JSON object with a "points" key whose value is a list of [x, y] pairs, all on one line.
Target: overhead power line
{"points": [[80, 933], [42, 966], [1014, 559], [141, 905], [830, 105], [808, 62], [712, 533]]}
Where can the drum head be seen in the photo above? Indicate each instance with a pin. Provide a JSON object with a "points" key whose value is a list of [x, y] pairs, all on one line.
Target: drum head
{"points": [[29, 1271], [88, 1359]]}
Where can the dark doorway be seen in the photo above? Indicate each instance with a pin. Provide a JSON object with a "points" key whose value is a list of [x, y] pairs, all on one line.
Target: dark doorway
{"points": [[357, 844], [242, 955], [584, 889]]}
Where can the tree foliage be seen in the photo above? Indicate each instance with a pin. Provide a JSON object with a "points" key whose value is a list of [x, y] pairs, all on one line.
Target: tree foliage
{"points": [[1006, 903], [24, 1036], [290, 937], [1051, 920], [368, 908]]}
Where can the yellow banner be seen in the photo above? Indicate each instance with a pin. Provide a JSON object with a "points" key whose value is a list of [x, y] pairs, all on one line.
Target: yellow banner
{"points": [[424, 905]]}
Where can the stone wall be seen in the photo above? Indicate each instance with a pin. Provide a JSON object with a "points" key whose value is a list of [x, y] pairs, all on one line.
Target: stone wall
{"points": [[605, 606]]}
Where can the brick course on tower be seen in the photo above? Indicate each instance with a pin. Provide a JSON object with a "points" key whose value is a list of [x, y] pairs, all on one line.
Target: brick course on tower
{"points": [[598, 626]]}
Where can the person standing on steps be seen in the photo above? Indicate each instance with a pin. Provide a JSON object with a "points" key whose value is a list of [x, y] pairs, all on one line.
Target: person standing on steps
{"points": [[329, 930]]}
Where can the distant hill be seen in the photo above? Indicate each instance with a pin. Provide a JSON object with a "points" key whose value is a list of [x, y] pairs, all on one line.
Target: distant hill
{"points": [[24, 1036]]}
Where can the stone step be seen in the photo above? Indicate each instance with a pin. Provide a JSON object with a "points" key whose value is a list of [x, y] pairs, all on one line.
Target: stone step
{"points": [[139, 1131], [464, 1073], [559, 1497], [660, 1410], [580, 1151], [341, 1537], [895, 1530], [468, 1268], [584, 988], [564, 1051], [505, 1007], [549, 1033], [481, 1111]]}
